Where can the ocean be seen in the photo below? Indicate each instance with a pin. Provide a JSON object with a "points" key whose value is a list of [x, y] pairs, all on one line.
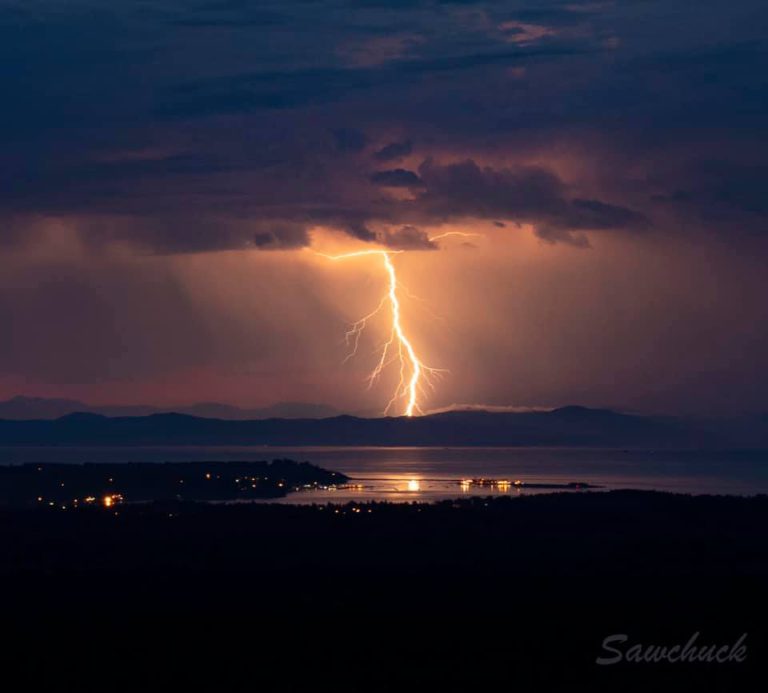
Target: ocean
{"points": [[434, 473]]}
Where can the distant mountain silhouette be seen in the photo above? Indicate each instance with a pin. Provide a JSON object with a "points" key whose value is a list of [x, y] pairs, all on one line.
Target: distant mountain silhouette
{"points": [[23, 408], [568, 426], [38, 408]]}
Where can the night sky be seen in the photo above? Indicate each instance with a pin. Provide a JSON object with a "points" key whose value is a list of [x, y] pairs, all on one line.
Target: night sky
{"points": [[165, 165]]}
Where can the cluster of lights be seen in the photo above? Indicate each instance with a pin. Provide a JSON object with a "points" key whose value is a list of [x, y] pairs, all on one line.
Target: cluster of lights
{"points": [[502, 485], [108, 501], [354, 510], [315, 486]]}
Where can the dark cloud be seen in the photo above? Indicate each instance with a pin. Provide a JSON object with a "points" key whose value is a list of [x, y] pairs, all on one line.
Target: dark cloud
{"points": [[203, 150], [97, 81], [527, 193], [397, 178], [407, 238], [243, 93], [555, 234], [594, 214], [394, 150], [350, 140], [282, 237], [722, 192], [171, 233], [358, 229]]}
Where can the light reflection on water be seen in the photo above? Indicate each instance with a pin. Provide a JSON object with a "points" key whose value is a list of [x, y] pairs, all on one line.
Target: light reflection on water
{"points": [[408, 474], [406, 489]]}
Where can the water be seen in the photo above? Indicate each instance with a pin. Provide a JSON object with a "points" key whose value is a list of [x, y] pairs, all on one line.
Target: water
{"points": [[408, 474]]}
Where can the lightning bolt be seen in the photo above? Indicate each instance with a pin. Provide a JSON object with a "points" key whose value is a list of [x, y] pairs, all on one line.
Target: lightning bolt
{"points": [[414, 373], [454, 233]]}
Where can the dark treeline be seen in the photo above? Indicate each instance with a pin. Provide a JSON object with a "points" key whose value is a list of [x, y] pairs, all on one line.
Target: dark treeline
{"points": [[99, 483], [597, 533]]}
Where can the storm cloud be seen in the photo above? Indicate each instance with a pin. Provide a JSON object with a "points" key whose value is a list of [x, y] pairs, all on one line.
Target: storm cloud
{"points": [[171, 132]]}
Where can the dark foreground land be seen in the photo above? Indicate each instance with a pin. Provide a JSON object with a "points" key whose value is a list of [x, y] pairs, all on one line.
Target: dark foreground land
{"points": [[65, 486], [509, 594]]}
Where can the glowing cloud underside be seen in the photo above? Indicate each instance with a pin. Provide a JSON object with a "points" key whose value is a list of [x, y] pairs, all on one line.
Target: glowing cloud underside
{"points": [[414, 373]]}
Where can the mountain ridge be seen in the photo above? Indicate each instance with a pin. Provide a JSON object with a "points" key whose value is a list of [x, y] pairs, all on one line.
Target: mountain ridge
{"points": [[570, 426]]}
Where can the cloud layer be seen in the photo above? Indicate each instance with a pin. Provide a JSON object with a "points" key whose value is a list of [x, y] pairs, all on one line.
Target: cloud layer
{"points": [[163, 132]]}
